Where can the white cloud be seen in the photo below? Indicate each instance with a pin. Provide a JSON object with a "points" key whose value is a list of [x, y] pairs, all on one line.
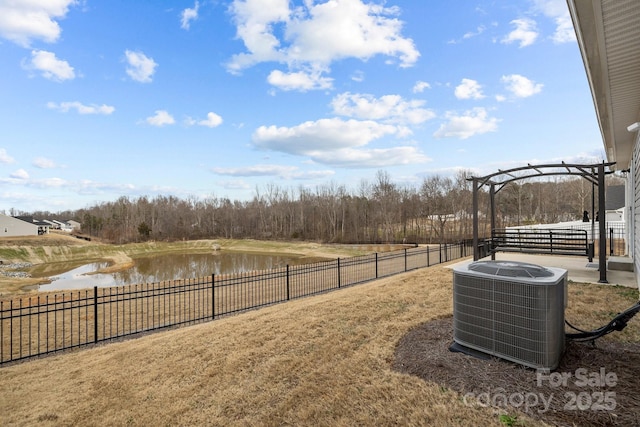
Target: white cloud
{"points": [[312, 36], [349, 28], [469, 89], [188, 15], [161, 118], [286, 172], [358, 76], [141, 68], [521, 86], [257, 170], [525, 32], [557, 10], [49, 66], [321, 135], [472, 34], [80, 108], [420, 86], [338, 142], [236, 184], [212, 120], [299, 80], [4, 157], [23, 21], [372, 158], [44, 163], [387, 108], [473, 122], [49, 183], [20, 174], [21, 177], [564, 30]]}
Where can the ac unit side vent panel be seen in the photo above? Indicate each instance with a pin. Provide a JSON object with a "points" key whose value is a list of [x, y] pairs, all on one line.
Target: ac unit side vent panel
{"points": [[514, 311]]}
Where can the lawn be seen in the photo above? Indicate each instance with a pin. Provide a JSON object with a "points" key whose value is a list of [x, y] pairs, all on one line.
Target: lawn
{"points": [[325, 360]]}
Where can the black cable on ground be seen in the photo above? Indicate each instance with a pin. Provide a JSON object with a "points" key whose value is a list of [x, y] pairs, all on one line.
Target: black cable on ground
{"points": [[618, 323]]}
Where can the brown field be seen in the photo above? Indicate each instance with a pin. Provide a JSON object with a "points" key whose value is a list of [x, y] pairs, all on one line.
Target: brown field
{"points": [[325, 360]]}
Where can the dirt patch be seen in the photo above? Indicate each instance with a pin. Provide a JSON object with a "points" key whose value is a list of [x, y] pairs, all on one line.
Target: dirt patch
{"points": [[593, 386]]}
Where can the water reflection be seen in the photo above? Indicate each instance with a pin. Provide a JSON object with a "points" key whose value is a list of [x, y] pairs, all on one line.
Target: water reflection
{"points": [[170, 267]]}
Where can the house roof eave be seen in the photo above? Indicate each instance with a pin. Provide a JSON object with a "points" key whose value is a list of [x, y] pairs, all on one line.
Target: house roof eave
{"points": [[608, 34]]}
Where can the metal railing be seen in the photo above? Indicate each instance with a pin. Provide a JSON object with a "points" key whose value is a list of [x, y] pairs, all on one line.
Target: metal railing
{"points": [[551, 241], [43, 324]]}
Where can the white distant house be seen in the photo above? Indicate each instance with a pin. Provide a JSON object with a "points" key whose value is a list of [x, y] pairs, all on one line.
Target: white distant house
{"points": [[63, 226], [43, 226], [75, 225], [13, 227], [52, 224]]}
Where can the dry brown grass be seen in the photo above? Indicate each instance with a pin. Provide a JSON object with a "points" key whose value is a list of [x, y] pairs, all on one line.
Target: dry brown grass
{"points": [[324, 360]]}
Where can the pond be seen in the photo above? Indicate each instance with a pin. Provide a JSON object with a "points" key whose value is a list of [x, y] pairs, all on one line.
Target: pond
{"points": [[163, 267]]}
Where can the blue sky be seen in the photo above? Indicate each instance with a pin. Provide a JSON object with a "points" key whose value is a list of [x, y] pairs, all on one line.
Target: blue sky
{"points": [[110, 98]]}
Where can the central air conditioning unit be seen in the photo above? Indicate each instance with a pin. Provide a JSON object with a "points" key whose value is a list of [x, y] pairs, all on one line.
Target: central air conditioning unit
{"points": [[511, 310]]}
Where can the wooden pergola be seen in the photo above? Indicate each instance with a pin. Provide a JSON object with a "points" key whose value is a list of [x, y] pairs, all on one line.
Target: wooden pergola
{"points": [[594, 173]]}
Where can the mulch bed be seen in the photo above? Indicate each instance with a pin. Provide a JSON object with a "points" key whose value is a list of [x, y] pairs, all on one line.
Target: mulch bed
{"points": [[593, 386]]}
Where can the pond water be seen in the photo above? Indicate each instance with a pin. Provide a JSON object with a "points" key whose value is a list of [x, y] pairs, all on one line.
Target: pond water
{"points": [[167, 267]]}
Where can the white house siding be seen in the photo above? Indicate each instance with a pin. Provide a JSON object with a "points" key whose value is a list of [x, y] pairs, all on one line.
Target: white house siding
{"points": [[629, 212], [634, 176], [12, 227]]}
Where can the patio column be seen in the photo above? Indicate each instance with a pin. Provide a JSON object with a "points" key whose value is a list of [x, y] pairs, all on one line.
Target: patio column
{"points": [[602, 245], [475, 220]]}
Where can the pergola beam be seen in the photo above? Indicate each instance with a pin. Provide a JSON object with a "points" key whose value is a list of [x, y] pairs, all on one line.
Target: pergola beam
{"points": [[594, 173]]}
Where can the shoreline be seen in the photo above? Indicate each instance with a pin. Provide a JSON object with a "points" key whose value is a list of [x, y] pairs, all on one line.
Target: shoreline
{"points": [[51, 249]]}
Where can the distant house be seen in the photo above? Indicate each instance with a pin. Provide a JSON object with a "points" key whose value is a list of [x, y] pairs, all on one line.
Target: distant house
{"points": [[62, 226], [75, 225], [615, 202], [13, 227], [43, 226], [52, 224]]}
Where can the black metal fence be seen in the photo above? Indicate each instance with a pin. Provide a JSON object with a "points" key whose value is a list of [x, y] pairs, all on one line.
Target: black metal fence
{"points": [[554, 241], [616, 234], [617, 239], [38, 325]]}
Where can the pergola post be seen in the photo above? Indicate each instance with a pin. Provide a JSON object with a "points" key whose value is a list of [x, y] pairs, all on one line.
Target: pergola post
{"points": [[475, 221], [602, 244], [492, 195]]}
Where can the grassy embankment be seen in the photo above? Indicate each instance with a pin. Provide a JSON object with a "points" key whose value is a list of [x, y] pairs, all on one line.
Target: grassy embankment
{"points": [[55, 253], [324, 360]]}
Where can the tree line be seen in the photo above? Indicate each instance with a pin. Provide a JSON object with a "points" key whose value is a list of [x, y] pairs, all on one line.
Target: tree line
{"points": [[438, 209]]}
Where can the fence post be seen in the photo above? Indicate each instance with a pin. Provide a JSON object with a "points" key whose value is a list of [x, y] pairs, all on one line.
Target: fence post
{"points": [[338, 273], [2, 330], [95, 314], [287, 282], [213, 296], [611, 241], [439, 253], [376, 265], [405, 259]]}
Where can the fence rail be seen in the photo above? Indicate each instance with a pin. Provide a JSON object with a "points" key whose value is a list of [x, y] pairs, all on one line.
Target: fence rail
{"points": [[44, 324], [551, 241]]}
